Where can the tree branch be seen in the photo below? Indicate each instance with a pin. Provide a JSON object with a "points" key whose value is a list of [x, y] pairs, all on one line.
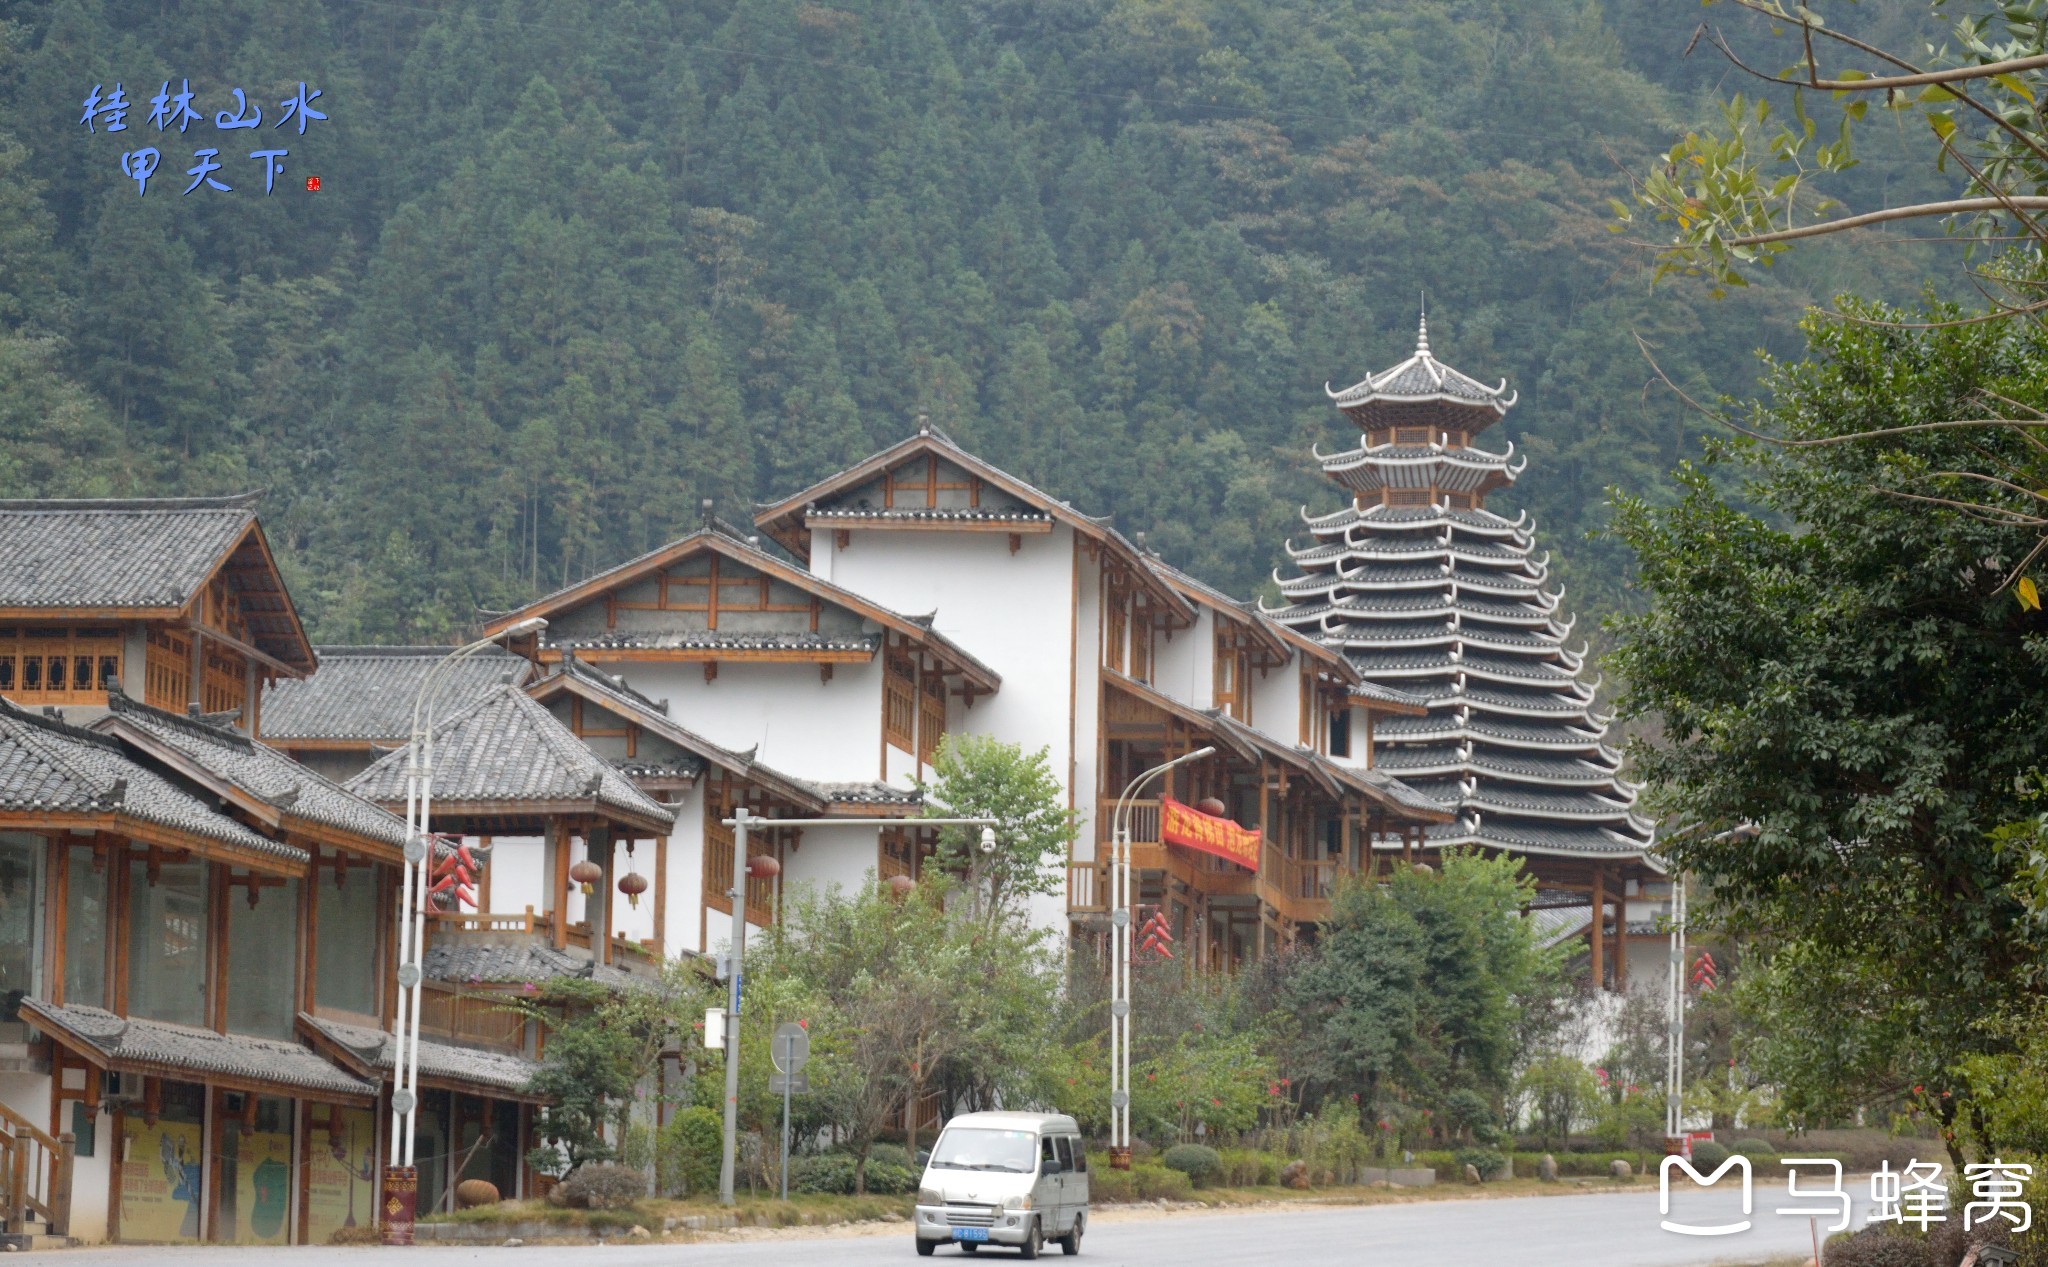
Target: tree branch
{"points": [[1953, 206]]}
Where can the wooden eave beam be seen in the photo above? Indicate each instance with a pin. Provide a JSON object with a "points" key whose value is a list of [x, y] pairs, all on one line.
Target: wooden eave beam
{"points": [[548, 809], [691, 655], [1012, 527], [253, 531], [140, 832], [211, 634]]}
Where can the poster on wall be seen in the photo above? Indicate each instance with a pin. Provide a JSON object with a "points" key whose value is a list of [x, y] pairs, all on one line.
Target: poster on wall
{"points": [[341, 1172], [161, 1168], [256, 1169]]}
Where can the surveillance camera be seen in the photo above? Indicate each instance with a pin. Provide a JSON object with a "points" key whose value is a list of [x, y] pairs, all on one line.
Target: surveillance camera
{"points": [[988, 840]]}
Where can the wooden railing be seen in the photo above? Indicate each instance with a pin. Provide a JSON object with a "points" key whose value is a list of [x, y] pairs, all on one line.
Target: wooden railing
{"points": [[718, 878], [1087, 888], [528, 921], [1144, 821], [35, 1173]]}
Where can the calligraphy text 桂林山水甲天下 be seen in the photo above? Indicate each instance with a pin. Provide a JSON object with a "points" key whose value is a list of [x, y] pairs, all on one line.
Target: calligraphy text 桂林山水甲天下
{"points": [[107, 110]]}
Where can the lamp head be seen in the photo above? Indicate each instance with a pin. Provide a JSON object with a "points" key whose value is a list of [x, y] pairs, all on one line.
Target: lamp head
{"points": [[1208, 750], [520, 628]]}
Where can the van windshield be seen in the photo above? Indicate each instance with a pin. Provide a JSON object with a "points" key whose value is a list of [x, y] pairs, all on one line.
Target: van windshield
{"points": [[984, 1148]]}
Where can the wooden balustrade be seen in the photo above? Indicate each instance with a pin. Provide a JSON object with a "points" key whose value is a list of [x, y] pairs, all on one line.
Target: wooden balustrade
{"points": [[1144, 820], [35, 1169], [528, 921], [1087, 887]]}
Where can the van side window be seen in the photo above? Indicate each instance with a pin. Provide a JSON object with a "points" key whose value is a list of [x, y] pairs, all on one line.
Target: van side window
{"points": [[1080, 1154], [1066, 1153], [1050, 1156]]}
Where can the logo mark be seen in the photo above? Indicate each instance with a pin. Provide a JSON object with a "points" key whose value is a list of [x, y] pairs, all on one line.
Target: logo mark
{"points": [[1737, 1162]]}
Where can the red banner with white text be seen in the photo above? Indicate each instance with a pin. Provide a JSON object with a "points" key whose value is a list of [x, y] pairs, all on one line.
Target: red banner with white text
{"points": [[1189, 827]]}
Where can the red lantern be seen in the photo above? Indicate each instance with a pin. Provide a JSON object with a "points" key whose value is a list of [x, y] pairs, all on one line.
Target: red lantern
{"points": [[763, 867], [587, 874], [633, 884], [1213, 806], [901, 885]]}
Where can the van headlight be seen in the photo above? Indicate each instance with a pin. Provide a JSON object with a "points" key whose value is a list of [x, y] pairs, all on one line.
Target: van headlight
{"points": [[930, 1196], [1017, 1203]]}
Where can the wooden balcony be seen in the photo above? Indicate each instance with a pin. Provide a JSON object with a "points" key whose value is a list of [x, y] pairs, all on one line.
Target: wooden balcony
{"points": [[1299, 889]]}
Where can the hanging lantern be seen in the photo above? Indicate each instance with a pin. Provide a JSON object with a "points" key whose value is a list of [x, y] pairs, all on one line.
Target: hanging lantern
{"points": [[901, 885], [763, 867], [587, 874], [1213, 806], [633, 884]]}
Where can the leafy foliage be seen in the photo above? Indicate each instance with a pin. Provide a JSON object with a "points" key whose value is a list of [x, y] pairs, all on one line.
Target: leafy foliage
{"points": [[574, 269], [978, 776], [1198, 1162], [1855, 684]]}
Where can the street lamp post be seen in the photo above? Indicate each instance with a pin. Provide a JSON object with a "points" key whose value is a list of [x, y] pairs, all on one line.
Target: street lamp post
{"points": [[401, 1178], [1120, 962], [737, 896]]}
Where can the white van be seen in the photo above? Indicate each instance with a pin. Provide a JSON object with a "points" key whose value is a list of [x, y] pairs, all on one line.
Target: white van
{"points": [[1005, 1179]]}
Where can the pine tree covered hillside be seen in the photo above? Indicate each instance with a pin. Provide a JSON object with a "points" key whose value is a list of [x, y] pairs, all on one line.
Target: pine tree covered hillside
{"points": [[576, 265]]}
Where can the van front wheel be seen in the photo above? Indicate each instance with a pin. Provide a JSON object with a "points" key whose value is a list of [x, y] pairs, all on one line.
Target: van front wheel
{"points": [[1034, 1240], [1070, 1244], [925, 1247]]}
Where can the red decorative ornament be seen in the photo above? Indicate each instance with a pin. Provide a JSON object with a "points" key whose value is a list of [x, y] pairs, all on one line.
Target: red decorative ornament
{"points": [[901, 885], [1213, 806], [587, 874], [633, 884], [763, 867]]}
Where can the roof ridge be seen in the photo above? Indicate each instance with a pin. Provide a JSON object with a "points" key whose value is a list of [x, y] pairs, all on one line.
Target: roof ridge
{"points": [[122, 704], [369, 649], [230, 501], [53, 754]]}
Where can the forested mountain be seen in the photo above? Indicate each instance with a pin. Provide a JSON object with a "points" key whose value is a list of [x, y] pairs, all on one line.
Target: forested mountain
{"points": [[576, 264]]}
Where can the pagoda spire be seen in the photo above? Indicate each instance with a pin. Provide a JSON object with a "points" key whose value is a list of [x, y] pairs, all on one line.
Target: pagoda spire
{"points": [[1430, 594]]}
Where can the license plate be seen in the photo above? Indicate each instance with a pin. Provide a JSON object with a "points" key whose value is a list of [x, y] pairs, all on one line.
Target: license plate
{"points": [[970, 1233]]}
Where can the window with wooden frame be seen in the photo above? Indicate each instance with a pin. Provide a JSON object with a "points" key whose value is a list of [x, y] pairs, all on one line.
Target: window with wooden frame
{"points": [[1412, 435], [59, 665], [921, 484], [167, 670], [899, 699], [1115, 628], [225, 687], [896, 855], [1233, 672], [1141, 643], [1408, 497], [1340, 731], [1307, 710], [931, 715]]}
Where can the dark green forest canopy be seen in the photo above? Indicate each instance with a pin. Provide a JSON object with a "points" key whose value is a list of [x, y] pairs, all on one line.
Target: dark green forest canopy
{"points": [[577, 265]]}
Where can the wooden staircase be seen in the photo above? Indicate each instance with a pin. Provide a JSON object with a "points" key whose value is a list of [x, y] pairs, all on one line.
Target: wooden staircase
{"points": [[35, 1181]]}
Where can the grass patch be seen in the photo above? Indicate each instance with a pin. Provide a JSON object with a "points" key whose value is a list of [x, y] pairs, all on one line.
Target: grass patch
{"points": [[651, 1213]]}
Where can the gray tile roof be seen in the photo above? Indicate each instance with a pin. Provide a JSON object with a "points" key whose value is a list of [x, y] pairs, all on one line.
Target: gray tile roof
{"points": [[504, 747], [127, 1044], [140, 553], [48, 766], [721, 640], [260, 771], [869, 792], [373, 1052], [475, 961], [367, 693]]}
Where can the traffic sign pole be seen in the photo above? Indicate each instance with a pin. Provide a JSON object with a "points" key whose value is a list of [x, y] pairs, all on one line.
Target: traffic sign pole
{"points": [[790, 1052]]}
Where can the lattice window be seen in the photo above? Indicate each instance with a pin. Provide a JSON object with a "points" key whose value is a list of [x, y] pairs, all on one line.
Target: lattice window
{"points": [[1408, 497], [1411, 435], [224, 688], [44, 665], [931, 716], [899, 700], [167, 670]]}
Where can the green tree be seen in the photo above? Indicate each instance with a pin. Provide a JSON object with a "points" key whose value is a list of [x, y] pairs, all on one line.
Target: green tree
{"points": [[1417, 985], [1846, 675], [976, 776]]}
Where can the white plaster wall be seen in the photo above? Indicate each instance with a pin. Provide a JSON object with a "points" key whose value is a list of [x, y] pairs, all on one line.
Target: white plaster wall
{"points": [[812, 729], [634, 923], [1276, 701], [518, 867], [1185, 669], [685, 886], [1015, 613], [842, 857]]}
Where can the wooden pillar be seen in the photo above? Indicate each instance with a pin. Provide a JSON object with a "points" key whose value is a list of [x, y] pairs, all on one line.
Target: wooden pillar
{"points": [[661, 896], [1620, 935], [252, 694], [196, 690], [558, 883], [597, 844], [1598, 930]]}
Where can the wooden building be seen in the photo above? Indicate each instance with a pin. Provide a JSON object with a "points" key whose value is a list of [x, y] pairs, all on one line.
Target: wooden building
{"points": [[1429, 593], [176, 602]]}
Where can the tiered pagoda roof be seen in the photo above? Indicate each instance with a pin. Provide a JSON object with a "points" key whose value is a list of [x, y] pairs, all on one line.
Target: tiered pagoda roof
{"points": [[1430, 594]]}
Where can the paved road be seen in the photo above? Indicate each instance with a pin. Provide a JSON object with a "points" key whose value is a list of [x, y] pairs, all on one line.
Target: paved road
{"points": [[1564, 1231]]}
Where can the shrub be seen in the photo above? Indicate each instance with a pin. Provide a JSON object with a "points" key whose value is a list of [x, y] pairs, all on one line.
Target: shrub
{"points": [[832, 1173], [1708, 1153], [1153, 1183], [1105, 1185], [890, 1154], [1753, 1147], [1487, 1161], [600, 1186], [1243, 1168], [1875, 1247], [687, 1155], [1198, 1162]]}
